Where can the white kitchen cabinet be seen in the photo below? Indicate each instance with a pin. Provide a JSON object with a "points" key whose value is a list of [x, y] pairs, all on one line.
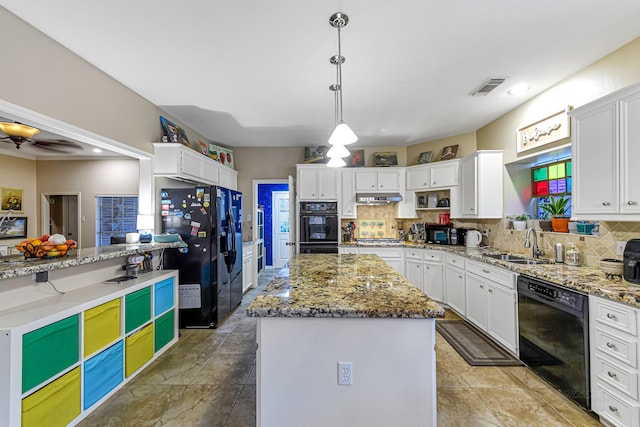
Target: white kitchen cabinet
{"points": [[177, 161], [414, 272], [432, 282], [247, 267], [436, 175], [481, 182], [614, 342], [317, 182], [371, 179], [492, 302], [348, 208], [606, 140], [227, 177], [454, 283]]}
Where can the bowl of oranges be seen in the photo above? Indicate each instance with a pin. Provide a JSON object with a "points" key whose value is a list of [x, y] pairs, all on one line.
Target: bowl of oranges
{"points": [[46, 246]]}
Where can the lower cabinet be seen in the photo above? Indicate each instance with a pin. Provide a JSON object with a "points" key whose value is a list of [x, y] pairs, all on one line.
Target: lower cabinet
{"points": [[491, 302], [59, 359], [432, 280], [423, 268], [614, 344], [454, 284]]}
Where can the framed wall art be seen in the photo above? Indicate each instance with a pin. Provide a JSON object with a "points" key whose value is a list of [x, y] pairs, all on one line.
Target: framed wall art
{"points": [[550, 129], [222, 155], [425, 157], [385, 158], [317, 154], [449, 152], [170, 130], [356, 159], [13, 227], [10, 199]]}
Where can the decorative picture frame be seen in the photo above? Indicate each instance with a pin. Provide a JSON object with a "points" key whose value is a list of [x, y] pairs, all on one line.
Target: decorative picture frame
{"points": [[385, 158], [11, 199], [13, 227], [449, 152], [182, 137], [170, 130], [222, 155], [425, 157], [316, 154], [355, 159]]}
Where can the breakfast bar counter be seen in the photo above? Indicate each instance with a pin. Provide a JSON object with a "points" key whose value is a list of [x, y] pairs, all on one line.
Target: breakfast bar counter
{"points": [[330, 319]]}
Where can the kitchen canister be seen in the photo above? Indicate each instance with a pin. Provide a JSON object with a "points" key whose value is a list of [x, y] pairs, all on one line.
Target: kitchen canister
{"points": [[572, 255]]}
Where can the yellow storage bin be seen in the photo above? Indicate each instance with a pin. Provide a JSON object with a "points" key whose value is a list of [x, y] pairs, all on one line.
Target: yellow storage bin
{"points": [[55, 404], [138, 349], [101, 326]]}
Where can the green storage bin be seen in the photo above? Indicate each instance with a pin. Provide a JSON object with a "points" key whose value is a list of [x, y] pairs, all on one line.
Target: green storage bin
{"points": [[49, 350], [137, 309], [163, 330]]}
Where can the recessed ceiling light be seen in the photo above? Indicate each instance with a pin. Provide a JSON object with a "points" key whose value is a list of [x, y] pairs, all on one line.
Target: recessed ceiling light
{"points": [[97, 150], [519, 89]]}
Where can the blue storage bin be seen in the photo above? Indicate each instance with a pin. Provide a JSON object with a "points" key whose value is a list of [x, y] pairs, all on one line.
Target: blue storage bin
{"points": [[102, 373], [162, 296]]}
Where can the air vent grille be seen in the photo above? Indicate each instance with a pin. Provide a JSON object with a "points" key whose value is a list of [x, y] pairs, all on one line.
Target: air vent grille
{"points": [[487, 86]]}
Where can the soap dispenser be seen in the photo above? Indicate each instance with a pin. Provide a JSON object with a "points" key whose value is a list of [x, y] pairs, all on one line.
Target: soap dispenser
{"points": [[572, 255]]}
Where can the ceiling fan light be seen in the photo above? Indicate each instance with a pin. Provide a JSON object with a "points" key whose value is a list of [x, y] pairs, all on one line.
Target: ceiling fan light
{"points": [[342, 135], [336, 162], [18, 129], [338, 150]]}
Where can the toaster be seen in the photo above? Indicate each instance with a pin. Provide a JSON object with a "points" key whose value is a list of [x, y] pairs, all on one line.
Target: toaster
{"points": [[631, 262]]}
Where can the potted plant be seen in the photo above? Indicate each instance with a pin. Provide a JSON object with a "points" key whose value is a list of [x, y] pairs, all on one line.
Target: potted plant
{"points": [[507, 221], [520, 222], [557, 207], [545, 222]]}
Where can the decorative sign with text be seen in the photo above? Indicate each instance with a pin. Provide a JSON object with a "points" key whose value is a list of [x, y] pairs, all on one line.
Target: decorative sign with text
{"points": [[543, 132]]}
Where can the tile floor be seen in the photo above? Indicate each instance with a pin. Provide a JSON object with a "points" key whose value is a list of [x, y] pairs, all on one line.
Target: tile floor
{"points": [[208, 379]]}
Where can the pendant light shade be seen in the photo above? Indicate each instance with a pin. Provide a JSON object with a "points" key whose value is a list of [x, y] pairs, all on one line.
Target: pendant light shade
{"points": [[342, 135], [338, 150], [336, 162], [18, 130]]}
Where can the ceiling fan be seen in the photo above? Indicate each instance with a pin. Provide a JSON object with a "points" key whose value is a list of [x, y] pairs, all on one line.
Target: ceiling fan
{"points": [[19, 133]]}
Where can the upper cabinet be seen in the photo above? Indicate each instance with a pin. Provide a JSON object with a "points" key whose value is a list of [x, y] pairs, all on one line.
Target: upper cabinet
{"points": [[605, 146], [436, 175], [347, 194], [481, 183], [374, 179], [317, 182], [178, 161]]}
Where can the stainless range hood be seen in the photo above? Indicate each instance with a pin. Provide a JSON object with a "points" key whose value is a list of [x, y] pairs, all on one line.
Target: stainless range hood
{"points": [[372, 199]]}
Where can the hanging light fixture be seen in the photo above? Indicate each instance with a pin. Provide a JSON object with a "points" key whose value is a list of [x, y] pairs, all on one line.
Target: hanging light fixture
{"points": [[17, 132], [342, 134]]}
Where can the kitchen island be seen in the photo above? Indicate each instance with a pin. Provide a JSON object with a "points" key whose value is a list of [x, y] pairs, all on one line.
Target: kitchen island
{"points": [[326, 309]]}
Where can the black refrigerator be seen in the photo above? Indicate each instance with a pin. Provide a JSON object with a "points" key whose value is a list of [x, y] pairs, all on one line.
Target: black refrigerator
{"points": [[209, 220]]}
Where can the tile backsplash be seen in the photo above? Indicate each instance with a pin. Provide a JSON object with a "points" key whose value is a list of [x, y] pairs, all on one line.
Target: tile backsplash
{"points": [[592, 248]]}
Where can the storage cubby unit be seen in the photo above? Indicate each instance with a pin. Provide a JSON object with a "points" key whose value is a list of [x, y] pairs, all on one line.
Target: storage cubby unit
{"points": [[62, 356]]}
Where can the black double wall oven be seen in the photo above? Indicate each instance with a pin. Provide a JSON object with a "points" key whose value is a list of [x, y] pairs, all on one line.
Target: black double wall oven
{"points": [[318, 228]]}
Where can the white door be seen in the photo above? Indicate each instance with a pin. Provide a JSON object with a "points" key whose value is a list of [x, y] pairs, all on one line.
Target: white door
{"points": [[293, 235], [281, 227]]}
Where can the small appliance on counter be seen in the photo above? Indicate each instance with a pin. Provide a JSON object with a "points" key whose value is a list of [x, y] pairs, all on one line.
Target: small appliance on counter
{"points": [[445, 234], [631, 261], [473, 238], [443, 203]]}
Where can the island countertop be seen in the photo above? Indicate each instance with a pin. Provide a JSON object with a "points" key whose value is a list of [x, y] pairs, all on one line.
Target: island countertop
{"points": [[330, 285]]}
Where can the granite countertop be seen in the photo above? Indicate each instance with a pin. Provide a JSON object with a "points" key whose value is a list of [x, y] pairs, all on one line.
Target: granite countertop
{"points": [[329, 285], [588, 280], [19, 266]]}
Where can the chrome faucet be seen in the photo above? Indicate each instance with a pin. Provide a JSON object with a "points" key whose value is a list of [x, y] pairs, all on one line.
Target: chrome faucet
{"points": [[535, 251]]}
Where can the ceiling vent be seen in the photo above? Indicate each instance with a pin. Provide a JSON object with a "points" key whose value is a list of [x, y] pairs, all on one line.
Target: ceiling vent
{"points": [[487, 86]]}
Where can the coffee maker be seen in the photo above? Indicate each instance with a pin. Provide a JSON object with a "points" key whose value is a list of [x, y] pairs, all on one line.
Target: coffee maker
{"points": [[417, 232], [631, 262]]}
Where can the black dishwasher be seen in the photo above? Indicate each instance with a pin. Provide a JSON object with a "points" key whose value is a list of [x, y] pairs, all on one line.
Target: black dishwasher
{"points": [[554, 336]]}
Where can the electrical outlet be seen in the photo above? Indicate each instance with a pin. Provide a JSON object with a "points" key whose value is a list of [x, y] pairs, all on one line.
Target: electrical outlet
{"points": [[620, 244], [345, 373], [485, 232]]}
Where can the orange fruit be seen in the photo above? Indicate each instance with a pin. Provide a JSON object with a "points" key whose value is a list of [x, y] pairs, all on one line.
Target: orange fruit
{"points": [[36, 242], [63, 247]]}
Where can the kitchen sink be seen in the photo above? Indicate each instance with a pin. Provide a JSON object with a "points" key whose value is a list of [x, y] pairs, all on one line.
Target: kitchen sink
{"points": [[515, 259]]}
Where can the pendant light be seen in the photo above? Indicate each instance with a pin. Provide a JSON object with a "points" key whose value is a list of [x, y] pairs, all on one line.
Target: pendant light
{"points": [[342, 134]]}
